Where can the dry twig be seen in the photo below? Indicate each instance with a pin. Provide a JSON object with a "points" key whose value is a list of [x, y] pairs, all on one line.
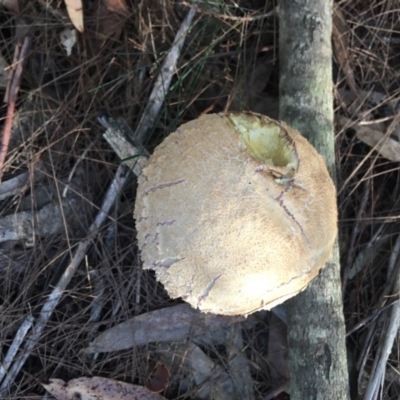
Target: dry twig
{"points": [[390, 329], [161, 85], [11, 100]]}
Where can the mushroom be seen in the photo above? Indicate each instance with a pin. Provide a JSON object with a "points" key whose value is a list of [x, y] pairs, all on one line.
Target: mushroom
{"points": [[235, 212]]}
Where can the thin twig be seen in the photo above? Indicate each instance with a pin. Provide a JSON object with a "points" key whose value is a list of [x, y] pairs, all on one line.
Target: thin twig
{"points": [[388, 335], [163, 80], [387, 134], [138, 283], [16, 344], [384, 350], [11, 71], [12, 99], [78, 161], [355, 232], [375, 314], [246, 18], [98, 289]]}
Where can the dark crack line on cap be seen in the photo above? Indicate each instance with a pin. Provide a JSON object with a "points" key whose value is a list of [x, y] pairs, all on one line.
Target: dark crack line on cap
{"points": [[164, 185], [279, 199], [288, 185], [166, 223]]}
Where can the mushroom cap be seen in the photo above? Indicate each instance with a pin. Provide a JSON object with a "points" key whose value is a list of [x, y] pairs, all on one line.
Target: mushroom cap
{"points": [[235, 212]]}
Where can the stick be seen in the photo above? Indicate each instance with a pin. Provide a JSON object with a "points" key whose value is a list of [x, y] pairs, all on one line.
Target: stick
{"points": [[12, 99], [389, 332], [163, 80]]}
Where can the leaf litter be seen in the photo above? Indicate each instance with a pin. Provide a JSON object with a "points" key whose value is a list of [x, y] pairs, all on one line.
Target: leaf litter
{"points": [[229, 59]]}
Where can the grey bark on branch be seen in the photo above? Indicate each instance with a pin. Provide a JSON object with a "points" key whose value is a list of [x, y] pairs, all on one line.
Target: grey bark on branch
{"points": [[316, 331]]}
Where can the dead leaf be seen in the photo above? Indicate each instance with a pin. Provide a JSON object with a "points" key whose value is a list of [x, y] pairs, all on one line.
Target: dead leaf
{"points": [[374, 135], [118, 6], [98, 388], [51, 218], [159, 379], [75, 12], [168, 324], [68, 40], [19, 183], [363, 100], [109, 24], [384, 145], [11, 5]]}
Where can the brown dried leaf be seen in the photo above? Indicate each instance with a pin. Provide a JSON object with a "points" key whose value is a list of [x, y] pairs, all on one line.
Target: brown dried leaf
{"points": [[109, 24], [118, 6], [98, 388], [11, 5], [159, 379], [75, 12]]}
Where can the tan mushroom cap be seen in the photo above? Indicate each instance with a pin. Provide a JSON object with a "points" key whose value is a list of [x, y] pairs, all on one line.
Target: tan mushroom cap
{"points": [[235, 213]]}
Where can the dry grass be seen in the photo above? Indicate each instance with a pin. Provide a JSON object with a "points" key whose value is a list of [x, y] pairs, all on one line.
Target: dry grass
{"points": [[229, 60]]}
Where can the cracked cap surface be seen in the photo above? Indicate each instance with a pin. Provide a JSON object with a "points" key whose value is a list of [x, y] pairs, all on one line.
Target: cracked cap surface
{"points": [[230, 225]]}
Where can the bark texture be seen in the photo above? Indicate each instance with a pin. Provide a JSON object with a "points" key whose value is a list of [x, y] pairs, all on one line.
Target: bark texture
{"points": [[316, 331]]}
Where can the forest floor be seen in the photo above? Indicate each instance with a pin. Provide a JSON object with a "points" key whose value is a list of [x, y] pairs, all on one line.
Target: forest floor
{"points": [[58, 168]]}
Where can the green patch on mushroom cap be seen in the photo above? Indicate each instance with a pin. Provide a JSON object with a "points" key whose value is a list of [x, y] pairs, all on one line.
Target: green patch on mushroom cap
{"points": [[266, 140]]}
